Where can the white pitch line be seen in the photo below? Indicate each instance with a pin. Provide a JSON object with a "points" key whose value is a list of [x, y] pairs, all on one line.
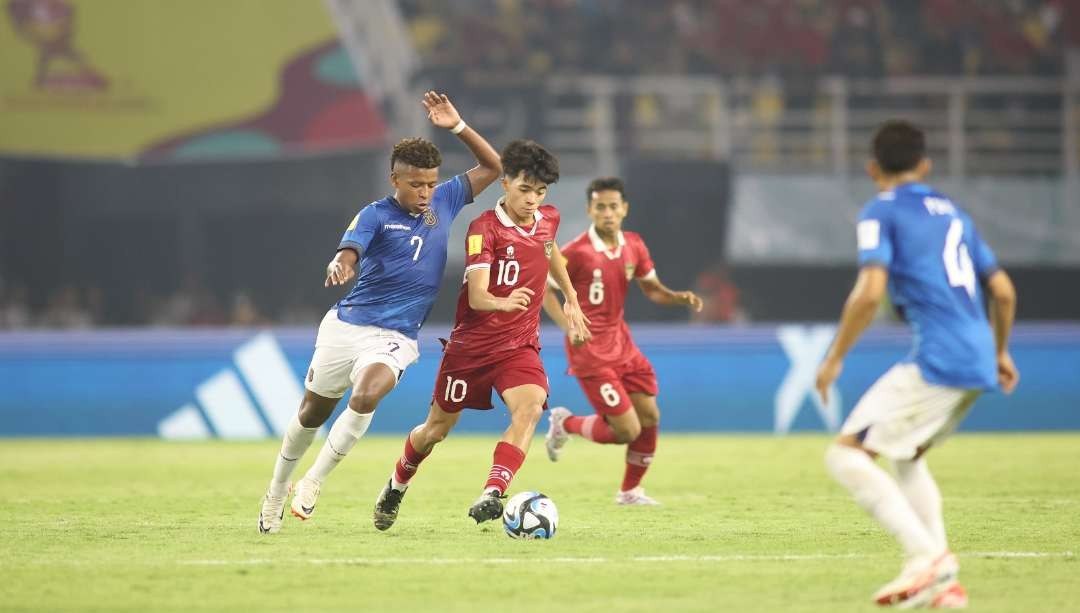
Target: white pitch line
{"points": [[793, 557]]}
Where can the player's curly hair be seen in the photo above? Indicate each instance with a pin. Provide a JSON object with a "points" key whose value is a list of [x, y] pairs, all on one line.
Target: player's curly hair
{"points": [[899, 146], [602, 184], [530, 157], [416, 152]]}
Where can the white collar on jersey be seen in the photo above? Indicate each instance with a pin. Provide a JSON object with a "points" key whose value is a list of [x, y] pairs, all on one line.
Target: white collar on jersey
{"points": [[504, 218], [599, 244]]}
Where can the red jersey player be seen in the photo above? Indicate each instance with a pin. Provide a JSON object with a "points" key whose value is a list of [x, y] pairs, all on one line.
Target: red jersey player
{"points": [[510, 253], [617, 379]]}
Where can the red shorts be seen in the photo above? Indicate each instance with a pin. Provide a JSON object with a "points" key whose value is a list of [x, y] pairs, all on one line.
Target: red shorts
{"points": [[609, 389], [466, 382]]}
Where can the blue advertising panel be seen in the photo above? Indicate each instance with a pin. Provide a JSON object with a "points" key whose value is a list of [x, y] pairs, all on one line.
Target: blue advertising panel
{"points": [[233, 383]]}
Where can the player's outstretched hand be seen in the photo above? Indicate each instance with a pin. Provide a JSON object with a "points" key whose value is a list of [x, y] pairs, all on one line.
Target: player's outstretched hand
{"points": [[691, 300], [338, 274], [827, 374], [518, 300], [440, 110], [1008, 375], [579, 324]]}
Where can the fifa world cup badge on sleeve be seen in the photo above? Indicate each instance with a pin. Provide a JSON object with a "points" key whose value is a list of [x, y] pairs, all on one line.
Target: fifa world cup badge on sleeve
{"points": [[548, 247], [629, 271], [476, 244]]}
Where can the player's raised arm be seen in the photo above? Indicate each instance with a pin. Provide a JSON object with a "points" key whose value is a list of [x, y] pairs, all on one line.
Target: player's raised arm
{"points": [[659, 293], [859, 310], [442, 114], [576, 320], [1002, 312]]}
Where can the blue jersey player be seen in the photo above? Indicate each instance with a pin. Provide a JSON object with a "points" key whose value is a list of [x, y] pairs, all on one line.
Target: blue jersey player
{"points": [[918, 245], [368, 338]]}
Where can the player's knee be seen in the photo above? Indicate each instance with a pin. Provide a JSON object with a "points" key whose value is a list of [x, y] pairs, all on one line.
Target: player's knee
{"points": [[529, 412], [312, 415], [626, 433], [364, 401], [650, 419]]}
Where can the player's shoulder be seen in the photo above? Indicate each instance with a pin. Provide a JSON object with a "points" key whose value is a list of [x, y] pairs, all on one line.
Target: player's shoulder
{"points": [[578, 242], [881, 205], [381, 205], [443, 186], [484, 220], [550, 211], [633, 238]]}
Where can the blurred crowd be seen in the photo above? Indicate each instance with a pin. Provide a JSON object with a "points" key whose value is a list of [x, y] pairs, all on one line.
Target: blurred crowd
{"points": [[478, 39], [71, 307]]}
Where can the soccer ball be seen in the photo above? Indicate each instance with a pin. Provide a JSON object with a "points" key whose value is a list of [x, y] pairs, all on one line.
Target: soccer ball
{"points": [[530, 515]]}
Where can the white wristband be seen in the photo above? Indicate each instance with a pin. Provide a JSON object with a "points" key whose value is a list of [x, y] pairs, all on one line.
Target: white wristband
{"points": [[459, 128]]}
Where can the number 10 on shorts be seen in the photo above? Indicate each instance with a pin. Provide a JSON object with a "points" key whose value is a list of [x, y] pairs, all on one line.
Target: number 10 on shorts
{"points": [[455, 390]]}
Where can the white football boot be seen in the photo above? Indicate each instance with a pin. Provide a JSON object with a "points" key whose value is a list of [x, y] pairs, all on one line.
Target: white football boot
{"points": [[556, 435], [635, 496], [272, 512], [919, 582], [952, 597], [303, 503]]}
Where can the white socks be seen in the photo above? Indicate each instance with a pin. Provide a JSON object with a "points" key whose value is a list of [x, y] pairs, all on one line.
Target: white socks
{"points": [[880, 496], [296, 441], [923, 495], [347, 429]]}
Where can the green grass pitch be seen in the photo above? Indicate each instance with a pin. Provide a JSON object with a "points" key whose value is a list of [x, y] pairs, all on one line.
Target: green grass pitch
{"points": [[748, 523]]}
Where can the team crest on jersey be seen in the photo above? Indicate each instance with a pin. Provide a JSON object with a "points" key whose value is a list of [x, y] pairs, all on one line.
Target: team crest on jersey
{"points": [[629, 271], [430, 218], [549, 246], [510, 251]]}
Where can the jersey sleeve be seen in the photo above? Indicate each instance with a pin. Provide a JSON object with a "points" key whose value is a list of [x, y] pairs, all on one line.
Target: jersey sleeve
{"points": [[983, 257], [479, 245], [458, 192], [874, 233], [361, 231], [644, 269]]}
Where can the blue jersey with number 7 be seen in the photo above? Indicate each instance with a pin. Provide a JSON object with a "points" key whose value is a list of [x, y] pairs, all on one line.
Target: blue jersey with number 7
{"points": [[937, 265], [402, 258]]}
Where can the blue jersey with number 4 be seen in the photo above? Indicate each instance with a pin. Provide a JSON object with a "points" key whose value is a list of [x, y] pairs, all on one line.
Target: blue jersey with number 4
{"points": [[937, 263], [402, 258]]}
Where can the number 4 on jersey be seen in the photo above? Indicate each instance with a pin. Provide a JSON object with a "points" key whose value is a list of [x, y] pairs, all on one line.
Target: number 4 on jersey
{"points": [[958, 266]]}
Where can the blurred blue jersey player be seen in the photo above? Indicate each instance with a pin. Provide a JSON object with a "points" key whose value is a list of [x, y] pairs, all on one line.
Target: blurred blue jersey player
{"points": [[918, 245], [368, 338]]}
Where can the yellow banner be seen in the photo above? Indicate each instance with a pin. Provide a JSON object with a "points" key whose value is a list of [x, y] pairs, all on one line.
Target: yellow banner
{"points": [[173, 79]]}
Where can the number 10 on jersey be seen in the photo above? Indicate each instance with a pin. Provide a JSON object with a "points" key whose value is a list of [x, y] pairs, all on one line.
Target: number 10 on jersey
{"points": [[509, 271]]}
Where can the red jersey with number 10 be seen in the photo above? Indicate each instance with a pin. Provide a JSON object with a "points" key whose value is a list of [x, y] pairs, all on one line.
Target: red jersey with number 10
{"points": [[602, 278], [518, 257]]}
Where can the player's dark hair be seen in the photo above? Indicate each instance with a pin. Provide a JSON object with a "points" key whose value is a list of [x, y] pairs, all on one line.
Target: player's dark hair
{"points": [[531, 158], [899, 146], [601, 184], [416, 152]]}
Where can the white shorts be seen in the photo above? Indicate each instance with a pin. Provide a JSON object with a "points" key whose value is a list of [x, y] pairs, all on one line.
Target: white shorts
{"points": [[902, 415], [342, 350]]}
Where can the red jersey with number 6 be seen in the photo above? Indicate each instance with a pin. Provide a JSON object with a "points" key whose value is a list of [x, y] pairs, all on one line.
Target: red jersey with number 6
{"points": [[518, 257], [602, 278]]}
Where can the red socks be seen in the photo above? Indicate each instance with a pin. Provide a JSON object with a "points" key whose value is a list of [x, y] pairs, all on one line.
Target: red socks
{"points": [[408, 462], [507, 460], [639, 454], [592, 427]]}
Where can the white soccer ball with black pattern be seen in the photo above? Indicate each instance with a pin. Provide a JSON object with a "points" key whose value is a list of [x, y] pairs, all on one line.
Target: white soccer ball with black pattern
{"points": [[530, 515]]}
